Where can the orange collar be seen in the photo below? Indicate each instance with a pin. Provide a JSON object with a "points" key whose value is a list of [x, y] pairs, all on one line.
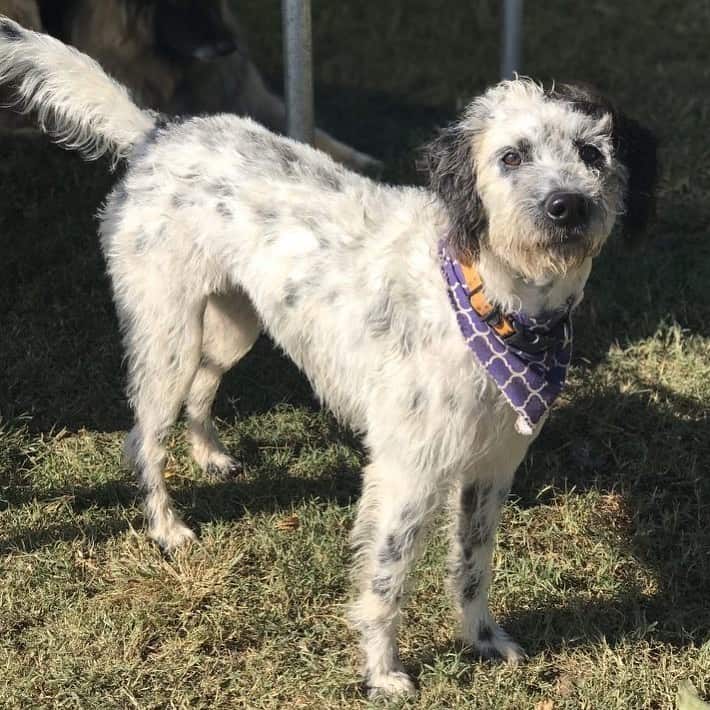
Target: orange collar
{"points": [[500, 322]]}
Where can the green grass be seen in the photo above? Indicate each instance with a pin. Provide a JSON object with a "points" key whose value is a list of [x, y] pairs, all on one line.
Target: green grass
{"points": [[603, 565]]}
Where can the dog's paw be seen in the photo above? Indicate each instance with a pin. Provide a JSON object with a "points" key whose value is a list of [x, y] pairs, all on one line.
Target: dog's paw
{"points": [[172, 536], [388, 685], [222, 467], [492, 643]]}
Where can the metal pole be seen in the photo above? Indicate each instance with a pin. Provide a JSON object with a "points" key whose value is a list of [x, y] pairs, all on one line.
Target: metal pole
{"points": [[512, 38], [298, 66]]}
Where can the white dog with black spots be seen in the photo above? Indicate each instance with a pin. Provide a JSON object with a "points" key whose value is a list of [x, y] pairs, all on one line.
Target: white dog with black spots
{"points": [[220, 230]]}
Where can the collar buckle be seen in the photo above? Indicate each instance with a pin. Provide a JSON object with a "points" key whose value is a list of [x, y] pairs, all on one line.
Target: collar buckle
{"points": [[516, 335], [527, 341]]}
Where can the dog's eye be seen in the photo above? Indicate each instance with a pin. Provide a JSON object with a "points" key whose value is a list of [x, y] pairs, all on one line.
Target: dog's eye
{"points": [[512, 159], [590, 155]]}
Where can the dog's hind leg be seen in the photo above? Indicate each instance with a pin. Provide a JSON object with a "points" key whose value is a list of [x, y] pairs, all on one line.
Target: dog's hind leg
{"points": [[230, 329], [391, 520], [164, 343], [478, 505]]}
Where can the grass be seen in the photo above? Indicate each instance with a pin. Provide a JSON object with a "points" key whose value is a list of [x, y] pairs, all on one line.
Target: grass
{"points": [[603, 565]]}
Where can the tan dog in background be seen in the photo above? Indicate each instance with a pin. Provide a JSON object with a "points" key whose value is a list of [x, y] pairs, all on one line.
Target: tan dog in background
{"points": [[177, 56]]}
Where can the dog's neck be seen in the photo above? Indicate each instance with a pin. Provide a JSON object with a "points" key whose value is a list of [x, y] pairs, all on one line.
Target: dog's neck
{"points": [[511, 291]]}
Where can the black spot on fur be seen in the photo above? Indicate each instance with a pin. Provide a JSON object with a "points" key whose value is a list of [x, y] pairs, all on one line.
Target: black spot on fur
{"points": [[398, 544], [224, 211], [418, 399], [452, 400], [475, 529], [392, 551], [469, 498], [291, 294], [222, 188], [10, 32], [382, 586], [177, 201], [635, 147], [266, 213], [161, 123], [452, 175], [471, 587], [525, 148], [485, 633]]}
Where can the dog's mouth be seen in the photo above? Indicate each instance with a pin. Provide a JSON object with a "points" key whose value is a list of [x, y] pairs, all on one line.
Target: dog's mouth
{"points": [[568, 245], [570, 235], [564, 235]]}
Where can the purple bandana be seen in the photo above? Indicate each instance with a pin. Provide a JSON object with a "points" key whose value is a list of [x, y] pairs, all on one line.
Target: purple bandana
{"points": [[530, 381]]}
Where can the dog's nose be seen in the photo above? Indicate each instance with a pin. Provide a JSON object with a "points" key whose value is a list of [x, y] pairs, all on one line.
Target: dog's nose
{"points": [[567, 209]]}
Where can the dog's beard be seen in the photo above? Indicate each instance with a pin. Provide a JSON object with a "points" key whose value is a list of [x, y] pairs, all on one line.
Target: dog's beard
{"points": [[535, 251]]}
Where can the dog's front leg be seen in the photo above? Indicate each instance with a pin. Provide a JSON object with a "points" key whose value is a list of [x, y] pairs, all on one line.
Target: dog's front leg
{"points": [[478, 505], [391, 520]]}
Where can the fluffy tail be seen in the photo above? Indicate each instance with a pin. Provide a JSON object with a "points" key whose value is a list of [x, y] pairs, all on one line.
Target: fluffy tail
{"points": [[79, 105]]}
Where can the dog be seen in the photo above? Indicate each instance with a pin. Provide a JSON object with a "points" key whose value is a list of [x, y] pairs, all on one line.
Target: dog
{"points": [[401, 304], [176, 56]]}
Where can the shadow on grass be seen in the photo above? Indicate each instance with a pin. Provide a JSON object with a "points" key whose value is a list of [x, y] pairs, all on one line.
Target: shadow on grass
{"points": [[269, 488], [635, 291], [545, 631], [652, 456], [201, 502]]}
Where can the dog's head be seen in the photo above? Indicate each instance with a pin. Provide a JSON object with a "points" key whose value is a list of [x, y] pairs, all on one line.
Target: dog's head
{"points": [[539, 177], [194, 29]]}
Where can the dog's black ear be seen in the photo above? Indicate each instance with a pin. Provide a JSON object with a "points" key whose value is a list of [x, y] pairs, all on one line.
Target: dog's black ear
{"points": [[636, 148], [451, 168]]}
